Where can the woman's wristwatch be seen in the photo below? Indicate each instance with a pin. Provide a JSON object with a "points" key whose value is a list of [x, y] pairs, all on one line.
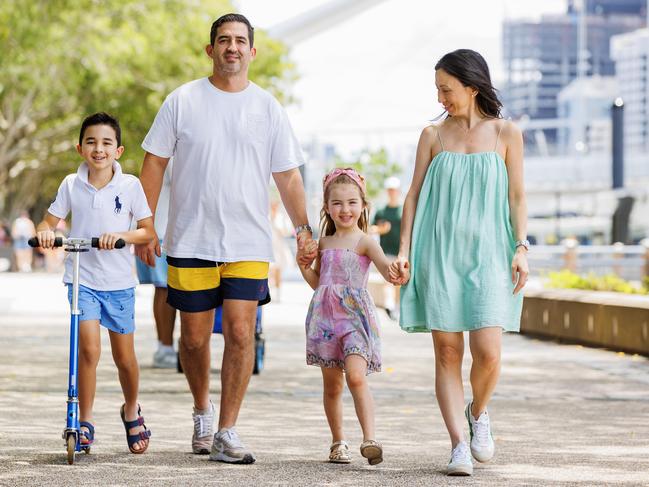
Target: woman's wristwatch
{"points": [[302, 228], [523, 243]]}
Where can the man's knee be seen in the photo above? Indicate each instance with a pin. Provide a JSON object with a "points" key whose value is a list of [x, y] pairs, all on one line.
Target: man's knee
{"points": [[240, 334], [194, 342], [196, 330]]}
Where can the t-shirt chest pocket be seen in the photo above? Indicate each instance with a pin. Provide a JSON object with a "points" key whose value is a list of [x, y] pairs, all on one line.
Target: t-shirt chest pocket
{"points": [[256, 128]]}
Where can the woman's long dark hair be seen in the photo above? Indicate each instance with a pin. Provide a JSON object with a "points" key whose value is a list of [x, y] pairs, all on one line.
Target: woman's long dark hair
{"points": [[470, 68]]}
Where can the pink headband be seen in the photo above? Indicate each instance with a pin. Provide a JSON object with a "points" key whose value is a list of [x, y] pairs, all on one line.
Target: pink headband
{"points": [[351, 173]]}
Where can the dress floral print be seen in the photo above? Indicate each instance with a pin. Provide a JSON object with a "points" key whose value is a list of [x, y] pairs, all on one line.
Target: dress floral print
{"points": [[342, 317]]}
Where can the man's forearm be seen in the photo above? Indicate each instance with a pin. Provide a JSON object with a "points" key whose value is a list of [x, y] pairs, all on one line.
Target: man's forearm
{"points": [[291, 190], [151, 177]]}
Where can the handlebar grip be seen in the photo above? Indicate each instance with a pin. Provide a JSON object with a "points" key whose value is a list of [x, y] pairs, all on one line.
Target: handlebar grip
{"points": [[33, 242], [119, 244]]}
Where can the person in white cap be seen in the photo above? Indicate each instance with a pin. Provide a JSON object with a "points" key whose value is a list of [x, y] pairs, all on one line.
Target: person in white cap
{"points": [[387, 223]]}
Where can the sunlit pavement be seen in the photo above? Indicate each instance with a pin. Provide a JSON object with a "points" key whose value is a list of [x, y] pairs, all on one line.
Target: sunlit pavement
{"points": [[562, 415]]}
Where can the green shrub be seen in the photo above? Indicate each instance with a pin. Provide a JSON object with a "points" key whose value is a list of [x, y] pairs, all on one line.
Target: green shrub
{"points": [[569, 280]]}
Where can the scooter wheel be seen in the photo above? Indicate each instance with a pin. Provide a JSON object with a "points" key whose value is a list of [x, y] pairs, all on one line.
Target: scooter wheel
{"points": [[71, 443]]}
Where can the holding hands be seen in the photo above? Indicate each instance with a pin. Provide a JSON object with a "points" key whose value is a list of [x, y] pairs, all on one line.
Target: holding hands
{"points": [[399, 271], [307, 249]]}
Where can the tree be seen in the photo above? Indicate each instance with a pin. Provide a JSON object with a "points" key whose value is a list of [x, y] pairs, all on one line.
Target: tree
{"points": [[61, 60], [375, 166]]}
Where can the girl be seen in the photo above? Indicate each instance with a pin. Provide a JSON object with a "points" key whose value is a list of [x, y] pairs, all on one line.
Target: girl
{"points": [[463, 238], [341, 326]]}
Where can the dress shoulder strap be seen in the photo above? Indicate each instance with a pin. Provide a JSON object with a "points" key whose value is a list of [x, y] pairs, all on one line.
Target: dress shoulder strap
{"points": [[498, 136], [439, 135], [355, 248]]}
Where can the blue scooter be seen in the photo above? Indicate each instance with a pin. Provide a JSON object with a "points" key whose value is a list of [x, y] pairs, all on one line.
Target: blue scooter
{"points": [[71, 432]]}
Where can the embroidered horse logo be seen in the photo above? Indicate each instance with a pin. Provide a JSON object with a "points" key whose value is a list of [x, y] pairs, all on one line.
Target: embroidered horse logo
{"points": [[118, 205]]}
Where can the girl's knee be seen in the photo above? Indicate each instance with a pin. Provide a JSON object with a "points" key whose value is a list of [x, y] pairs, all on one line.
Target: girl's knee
{"points": [[355, 379], [332, 389]]}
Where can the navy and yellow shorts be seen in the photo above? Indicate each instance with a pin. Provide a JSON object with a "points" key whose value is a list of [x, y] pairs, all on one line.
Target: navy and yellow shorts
{"points": [[198, 285]]}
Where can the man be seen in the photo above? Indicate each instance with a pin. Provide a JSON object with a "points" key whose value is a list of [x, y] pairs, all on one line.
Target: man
{"points": [[227, 136], [387, 223], [164, 315]]}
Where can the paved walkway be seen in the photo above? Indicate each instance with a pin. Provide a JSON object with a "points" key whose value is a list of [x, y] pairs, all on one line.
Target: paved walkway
{"points": [[562, 415]]}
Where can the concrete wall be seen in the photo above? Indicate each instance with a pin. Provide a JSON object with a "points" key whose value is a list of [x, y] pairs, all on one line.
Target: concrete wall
{"points": [[611, 320]]}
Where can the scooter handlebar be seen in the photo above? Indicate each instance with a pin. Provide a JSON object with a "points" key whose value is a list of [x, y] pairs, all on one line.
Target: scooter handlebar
{"points": [[118, 244], [60, 242], [33, 242]]}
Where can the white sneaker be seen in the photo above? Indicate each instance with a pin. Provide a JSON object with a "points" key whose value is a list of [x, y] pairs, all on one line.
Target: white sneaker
{"points": [[227, 447], [482, 443], [165, 359], [460, 463], [203, 431]]}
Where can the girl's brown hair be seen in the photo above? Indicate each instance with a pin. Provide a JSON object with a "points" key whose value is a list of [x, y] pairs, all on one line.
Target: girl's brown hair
{"points": [[327, 225]]}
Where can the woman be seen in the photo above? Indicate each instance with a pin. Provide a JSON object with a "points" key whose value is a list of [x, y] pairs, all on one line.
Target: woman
{"points": [[463, 246]]}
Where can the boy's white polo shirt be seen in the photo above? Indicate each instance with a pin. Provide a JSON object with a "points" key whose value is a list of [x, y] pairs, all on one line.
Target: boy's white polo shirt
{"points": [[94, 212]]}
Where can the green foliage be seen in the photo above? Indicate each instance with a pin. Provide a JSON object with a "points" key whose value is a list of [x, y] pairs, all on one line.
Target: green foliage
{"points": [[61, 60], [375, 168], [569, 280]]}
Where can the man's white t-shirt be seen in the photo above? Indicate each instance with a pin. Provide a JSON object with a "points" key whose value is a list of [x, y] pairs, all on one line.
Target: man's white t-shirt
{"points": [[225, 147], [95, 212]]}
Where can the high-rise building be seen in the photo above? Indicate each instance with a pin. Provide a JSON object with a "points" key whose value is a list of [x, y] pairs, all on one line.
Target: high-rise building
{"points": [[586, 106], [631, 54], [541, 57], [612, 7]]}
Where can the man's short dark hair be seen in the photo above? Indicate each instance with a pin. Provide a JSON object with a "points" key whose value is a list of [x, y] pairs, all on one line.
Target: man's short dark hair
{"points": [[101, 118], [232, 18]]}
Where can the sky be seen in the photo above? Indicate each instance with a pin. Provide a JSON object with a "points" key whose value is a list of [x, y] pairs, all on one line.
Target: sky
{"points": [[368, 82]]}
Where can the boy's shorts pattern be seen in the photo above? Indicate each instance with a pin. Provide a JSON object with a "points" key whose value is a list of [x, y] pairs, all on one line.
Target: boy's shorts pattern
{"points": [[153, 275], [115, 310], [199, 285]]}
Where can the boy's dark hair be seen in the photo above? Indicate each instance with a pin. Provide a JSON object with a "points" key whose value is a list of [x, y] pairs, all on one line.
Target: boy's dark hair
{"points": [[232, 18], [101, 118]]}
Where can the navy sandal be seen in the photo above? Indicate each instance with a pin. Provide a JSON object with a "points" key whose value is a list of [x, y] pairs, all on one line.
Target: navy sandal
{"points": [[86, 438], [141, 436]]}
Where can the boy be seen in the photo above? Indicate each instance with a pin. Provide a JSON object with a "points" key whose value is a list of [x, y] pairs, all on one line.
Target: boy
{"points": [[104, 201]]}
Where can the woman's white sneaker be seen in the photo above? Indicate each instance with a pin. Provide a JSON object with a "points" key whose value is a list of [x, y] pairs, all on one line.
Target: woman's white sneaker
{"points": [[460, 464], [482, 443]]}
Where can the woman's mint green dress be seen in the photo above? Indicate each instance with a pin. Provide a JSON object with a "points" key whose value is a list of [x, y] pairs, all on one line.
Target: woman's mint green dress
{"points": [[462, 248]]}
